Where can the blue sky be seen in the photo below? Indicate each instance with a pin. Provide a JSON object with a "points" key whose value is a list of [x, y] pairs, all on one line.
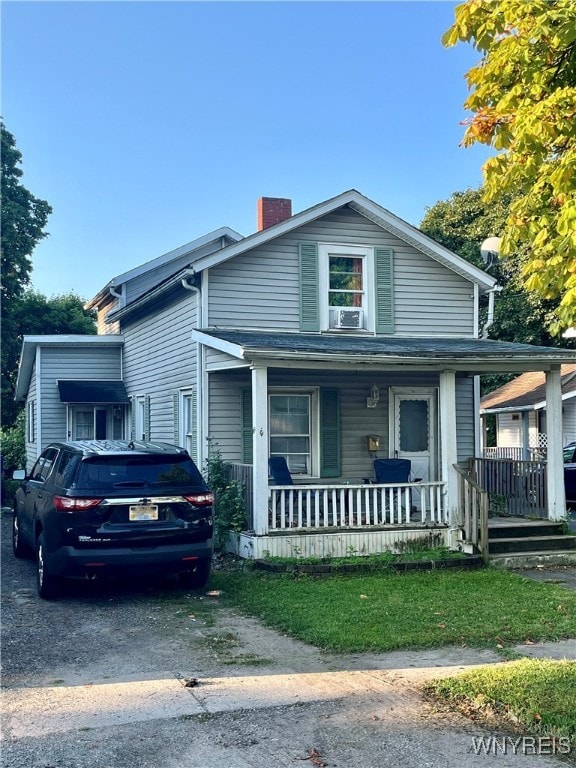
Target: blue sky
{"points": [[148, 124]]}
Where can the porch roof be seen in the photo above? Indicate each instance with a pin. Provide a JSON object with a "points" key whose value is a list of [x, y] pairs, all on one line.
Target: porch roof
{"points": [[88, 391], [461, 354]]}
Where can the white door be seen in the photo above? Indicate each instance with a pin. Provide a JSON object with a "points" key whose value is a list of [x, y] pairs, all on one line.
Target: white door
{"points": [[413, 430]]}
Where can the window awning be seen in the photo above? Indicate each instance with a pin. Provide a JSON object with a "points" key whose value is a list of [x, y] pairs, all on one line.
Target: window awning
{"points": [[87, 391]]}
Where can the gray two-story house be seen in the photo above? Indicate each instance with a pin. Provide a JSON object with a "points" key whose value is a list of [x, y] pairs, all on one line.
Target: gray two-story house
{"points": [[327, 339]]}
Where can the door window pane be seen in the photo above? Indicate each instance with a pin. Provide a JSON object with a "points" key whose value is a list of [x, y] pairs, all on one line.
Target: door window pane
{"points": [[414, 426], [84, 424]]}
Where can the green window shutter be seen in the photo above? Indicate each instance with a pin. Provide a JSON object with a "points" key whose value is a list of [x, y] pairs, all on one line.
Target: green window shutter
{"points": [[194, 446], [330, 465], [176, 416], [384, 289], [309, 292], [246, 419]]}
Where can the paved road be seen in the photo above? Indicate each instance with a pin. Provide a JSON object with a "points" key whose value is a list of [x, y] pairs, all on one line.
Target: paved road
{"points": [[156, 676]]}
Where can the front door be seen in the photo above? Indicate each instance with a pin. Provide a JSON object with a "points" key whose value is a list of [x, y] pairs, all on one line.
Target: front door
{"points": [[413, 430]]}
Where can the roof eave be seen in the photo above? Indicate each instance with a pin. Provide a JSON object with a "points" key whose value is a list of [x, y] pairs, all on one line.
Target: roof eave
{"points": [[193, 245]]}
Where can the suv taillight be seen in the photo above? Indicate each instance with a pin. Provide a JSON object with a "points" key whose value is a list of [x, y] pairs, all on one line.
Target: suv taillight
{"points": [[66, 504], [200, 499]]}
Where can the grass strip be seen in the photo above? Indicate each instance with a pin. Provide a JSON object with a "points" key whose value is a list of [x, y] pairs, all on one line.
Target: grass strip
{"points": [[532, 695], [387, 611]]}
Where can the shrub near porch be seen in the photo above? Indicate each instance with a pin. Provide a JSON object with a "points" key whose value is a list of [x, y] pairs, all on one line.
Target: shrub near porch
{"points": [[487, 608]]}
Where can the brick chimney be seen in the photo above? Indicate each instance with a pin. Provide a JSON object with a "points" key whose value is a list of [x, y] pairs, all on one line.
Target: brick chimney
{"points": [[272, 210]]}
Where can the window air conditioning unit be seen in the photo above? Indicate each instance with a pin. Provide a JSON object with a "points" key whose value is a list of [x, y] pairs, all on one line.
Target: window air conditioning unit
{"points": [[348, 318]]}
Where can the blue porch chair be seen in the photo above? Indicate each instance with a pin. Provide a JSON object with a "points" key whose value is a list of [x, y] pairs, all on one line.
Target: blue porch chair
{"points": [[279, 471], [392, 470]]}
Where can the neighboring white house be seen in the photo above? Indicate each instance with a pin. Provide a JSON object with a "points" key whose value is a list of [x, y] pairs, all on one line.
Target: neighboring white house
{"points": [[520, 411], [329, 337]]}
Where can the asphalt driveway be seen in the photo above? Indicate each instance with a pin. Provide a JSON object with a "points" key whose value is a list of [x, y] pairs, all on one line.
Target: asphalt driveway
{"points": [[153, 675]]}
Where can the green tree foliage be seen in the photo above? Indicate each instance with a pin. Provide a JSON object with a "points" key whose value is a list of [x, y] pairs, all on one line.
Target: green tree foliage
{"points": [[462, 223], [33, 314], [523, 99], [23, 220]]}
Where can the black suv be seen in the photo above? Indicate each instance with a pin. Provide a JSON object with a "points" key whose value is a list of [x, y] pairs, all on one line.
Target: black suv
{"points": [[100, 508]]}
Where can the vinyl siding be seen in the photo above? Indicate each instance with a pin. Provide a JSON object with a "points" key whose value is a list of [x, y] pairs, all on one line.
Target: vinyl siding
{"points": [[160, 359], [102, 326], [509, 430], [32, 452], [429, 299], [71, 362], [465, 419], [569, 420], [214, 359], [357, 421]]}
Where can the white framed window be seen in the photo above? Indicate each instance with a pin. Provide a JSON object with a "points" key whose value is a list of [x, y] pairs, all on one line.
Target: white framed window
{"points": [[189, 422], [293, 427], [30, 420], [346, 280], [96, 422]]}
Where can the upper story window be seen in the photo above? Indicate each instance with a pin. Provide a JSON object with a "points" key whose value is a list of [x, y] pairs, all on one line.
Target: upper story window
{"points": [[346, 287]]}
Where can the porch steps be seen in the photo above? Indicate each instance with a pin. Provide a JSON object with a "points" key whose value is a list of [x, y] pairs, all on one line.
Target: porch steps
{"points": [[518, 543]]}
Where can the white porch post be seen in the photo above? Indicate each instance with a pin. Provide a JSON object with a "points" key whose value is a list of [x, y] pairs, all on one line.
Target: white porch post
{"points": [[260, 447], [555, 462], [448, 443]]}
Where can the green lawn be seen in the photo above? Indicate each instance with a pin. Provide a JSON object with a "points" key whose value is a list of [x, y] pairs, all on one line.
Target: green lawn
{"points": [[386, 611], [533, 695]]}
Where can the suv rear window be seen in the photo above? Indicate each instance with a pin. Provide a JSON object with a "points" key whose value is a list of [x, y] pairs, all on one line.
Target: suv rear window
{"points": [[107, 472]]}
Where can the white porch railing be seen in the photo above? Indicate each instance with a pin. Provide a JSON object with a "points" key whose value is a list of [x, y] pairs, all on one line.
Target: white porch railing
{"points": [[355, 506], [473, 512]]}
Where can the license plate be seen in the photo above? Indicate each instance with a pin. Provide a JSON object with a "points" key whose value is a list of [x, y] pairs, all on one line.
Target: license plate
{"points": [[143, 512]]}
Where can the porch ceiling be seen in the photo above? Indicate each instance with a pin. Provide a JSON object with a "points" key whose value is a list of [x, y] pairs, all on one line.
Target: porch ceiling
{"points": [[461, 354]]}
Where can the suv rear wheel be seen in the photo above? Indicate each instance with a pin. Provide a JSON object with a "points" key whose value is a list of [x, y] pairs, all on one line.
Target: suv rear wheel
{"points": [[48, 584], [197, 578]]}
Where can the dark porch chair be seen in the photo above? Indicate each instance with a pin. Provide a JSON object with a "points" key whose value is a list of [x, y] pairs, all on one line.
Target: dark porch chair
{"points": [[279, 471], [392, 470]]}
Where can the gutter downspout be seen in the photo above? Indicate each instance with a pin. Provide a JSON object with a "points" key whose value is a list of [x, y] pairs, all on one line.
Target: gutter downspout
{"points": [[490, 318], [189, 276]]}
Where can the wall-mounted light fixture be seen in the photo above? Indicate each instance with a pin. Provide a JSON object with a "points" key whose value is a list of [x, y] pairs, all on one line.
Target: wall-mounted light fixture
{"points": [[372, 401]]}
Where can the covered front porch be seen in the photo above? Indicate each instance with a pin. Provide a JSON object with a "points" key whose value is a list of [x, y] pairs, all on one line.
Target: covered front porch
{"points": [[426, 410]]}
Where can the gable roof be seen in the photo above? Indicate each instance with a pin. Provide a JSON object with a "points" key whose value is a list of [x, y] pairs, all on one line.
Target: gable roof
{"points": [[224, 234], [528, 391], [371, 210]]}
